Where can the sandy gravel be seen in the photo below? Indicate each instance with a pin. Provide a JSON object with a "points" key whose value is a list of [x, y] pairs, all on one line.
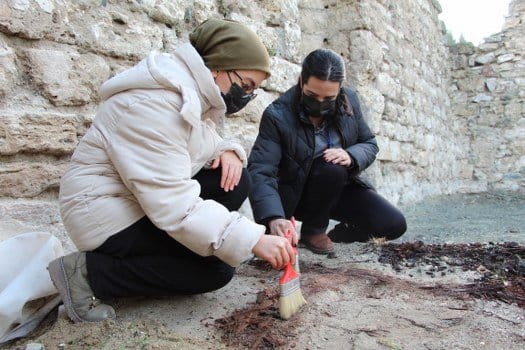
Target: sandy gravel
{"points": [[354, 302]]}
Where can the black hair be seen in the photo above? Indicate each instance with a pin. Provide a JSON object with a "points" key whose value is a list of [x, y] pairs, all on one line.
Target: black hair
{"points": [[325, 64]]}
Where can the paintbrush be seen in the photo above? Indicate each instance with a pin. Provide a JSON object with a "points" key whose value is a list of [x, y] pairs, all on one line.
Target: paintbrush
{"points": [[291, 298]]}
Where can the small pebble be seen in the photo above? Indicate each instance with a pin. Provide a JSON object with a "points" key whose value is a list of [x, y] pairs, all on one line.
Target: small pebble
{"points": [[34, 346], [331, 255]]}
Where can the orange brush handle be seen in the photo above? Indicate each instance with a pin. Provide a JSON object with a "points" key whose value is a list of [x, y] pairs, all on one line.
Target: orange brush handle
{"points": [[289, 274], [289, 271]]}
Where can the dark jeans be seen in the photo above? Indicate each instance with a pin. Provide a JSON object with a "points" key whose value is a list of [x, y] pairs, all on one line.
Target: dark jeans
{"points": [[329, 193], [143, 260]]}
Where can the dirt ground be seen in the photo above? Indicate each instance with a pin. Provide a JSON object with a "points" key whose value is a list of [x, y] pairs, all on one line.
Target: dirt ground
{"points": [[441, 294]]}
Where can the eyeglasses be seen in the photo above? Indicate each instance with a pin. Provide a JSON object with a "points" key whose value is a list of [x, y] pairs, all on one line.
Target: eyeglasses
{"points": [[247, 88]]}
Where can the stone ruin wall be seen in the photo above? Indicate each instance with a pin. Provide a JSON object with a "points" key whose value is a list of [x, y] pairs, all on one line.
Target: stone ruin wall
{"points": [[487, 91], [54, 54]]}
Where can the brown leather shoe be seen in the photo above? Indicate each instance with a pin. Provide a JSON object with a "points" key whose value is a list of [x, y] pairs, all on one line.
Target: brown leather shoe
{"points": [[318, 244]]}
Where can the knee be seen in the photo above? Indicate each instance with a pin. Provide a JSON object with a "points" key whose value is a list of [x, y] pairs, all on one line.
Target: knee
{"points": [[222, 276], [397, 227], [333, 173]]}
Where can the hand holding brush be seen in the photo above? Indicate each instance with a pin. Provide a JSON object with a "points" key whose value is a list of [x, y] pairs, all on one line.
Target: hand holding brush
{"points": [[291, 298]]}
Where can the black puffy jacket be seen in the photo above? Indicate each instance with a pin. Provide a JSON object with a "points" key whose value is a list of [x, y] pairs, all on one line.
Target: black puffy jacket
{"points": [[283, 153]]}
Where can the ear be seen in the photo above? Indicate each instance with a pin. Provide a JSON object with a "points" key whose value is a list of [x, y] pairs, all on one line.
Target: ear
{"points": [[214, 74]]}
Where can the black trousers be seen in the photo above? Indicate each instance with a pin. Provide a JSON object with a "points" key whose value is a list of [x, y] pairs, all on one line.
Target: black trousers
{"points": [[143, 260], [329, 193]]}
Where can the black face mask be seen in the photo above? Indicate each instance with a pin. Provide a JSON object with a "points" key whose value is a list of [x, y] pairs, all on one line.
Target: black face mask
{"points": [[236, 98], [316, 109]]}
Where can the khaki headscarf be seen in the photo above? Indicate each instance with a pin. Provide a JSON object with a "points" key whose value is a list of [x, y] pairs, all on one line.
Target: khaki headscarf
{"points": [[229, 45]]}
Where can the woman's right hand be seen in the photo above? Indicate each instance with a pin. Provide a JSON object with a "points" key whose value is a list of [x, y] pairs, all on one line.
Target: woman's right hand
{"points": [[274, 249], [280, 227]]}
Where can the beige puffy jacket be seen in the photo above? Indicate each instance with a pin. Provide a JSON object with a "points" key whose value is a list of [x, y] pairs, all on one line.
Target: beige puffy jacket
{"points": [[152, 133]]}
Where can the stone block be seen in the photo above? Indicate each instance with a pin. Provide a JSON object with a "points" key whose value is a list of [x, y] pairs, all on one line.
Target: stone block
{"points": [[466, 171], [284, 75], [52, 134], [8, 69], [25, 179], [374, 17], [315, 4], [388, 86], [472, 83], [488, 46], [310, 42], [131, 41], [481, 98], [365, 46], [388, 150], [203, 9], [506, 67], [27, 19], [361, 73], [252, 113], [314, 21], [338, 41], [520, 81], [491, 84], [372, 104], [344, 16], [291, 42], [66, 78], [487, 58], [167, 12], [287, 9]]}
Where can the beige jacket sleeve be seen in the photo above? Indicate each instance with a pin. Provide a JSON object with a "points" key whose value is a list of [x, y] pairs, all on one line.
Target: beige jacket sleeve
{"points": [[149, 149]]}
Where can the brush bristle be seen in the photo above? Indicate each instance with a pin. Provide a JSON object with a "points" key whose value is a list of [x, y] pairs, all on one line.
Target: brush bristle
{"points": [[291, 298]]}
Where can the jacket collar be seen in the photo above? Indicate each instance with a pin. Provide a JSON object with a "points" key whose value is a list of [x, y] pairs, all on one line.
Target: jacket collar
{"points": [[212, 104]]}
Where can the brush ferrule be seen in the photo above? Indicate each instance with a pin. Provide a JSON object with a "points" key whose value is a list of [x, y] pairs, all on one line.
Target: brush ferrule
{"points": [[290, 287]]}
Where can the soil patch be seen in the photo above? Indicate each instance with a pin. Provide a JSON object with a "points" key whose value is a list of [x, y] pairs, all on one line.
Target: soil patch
{"points": [[501, 265]]}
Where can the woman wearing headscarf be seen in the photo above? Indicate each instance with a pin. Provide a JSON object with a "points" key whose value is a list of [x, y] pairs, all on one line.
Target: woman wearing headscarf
{"points": [[149, 198], [312, 144]]}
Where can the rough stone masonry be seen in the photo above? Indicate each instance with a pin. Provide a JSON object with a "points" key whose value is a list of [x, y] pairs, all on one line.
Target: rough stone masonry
{"points": [[447, 119]]}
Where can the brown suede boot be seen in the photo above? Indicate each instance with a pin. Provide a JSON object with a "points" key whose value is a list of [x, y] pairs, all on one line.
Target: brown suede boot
{"points": [[69, 275], [319, 243]]}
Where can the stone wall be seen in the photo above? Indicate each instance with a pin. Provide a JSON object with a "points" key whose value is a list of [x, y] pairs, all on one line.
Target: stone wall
{"points": [[488, 94], [55, 53]]}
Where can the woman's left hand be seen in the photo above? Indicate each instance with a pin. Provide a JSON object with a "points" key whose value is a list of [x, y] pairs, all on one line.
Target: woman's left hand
{"points": [[231, 166], [337, 156]]}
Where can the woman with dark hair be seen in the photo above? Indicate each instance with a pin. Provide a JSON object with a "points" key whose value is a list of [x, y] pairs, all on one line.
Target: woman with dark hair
{"points": [[313, 142]]}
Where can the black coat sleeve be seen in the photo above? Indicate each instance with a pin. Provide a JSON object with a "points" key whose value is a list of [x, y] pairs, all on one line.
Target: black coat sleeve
{"points": [[263, 167], [363, 152]]}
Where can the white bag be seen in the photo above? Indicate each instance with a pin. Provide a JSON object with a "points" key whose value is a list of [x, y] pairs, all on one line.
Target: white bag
{"points": [[27, 294]]}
